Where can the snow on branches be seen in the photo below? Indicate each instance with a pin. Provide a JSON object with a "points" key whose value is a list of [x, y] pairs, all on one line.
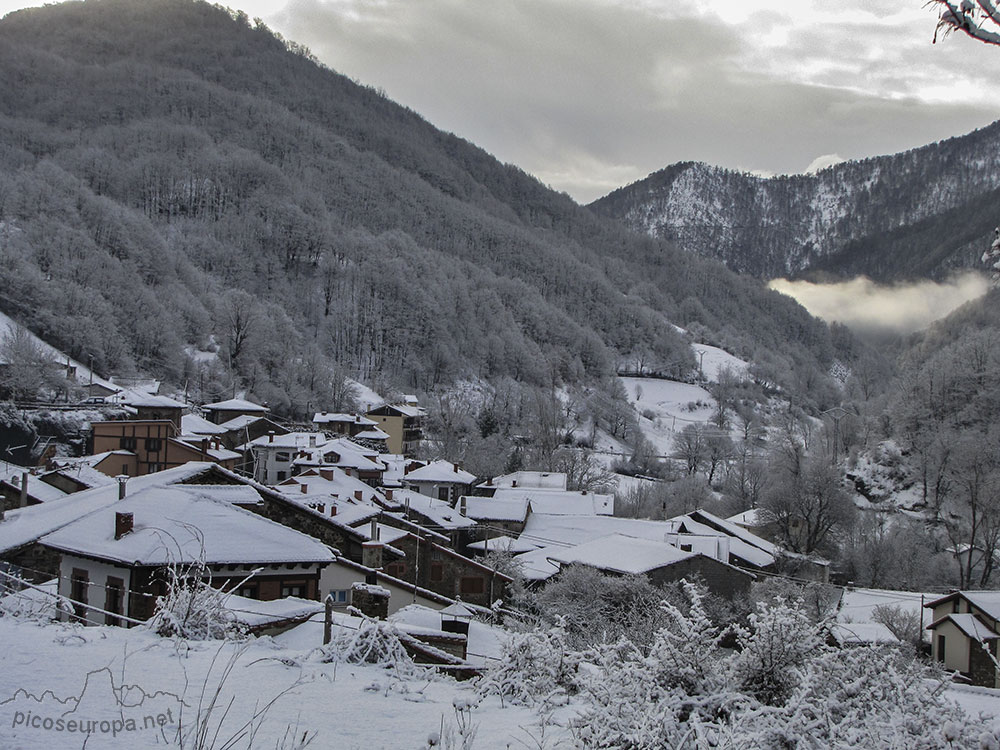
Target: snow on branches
{"points": [[782, 687], [979, 19]]}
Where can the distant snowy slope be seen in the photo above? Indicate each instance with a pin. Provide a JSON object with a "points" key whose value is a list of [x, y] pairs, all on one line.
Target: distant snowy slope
{"points": [[83, 373]]}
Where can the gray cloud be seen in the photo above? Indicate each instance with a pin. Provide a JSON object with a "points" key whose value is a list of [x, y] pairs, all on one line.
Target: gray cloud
{"points": [[862, 304], [591, 94]]}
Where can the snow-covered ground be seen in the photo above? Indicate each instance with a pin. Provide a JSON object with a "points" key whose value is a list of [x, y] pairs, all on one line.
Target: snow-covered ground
{"points": [[712, 360], [672, 406], [151, 685], [857, 605]]}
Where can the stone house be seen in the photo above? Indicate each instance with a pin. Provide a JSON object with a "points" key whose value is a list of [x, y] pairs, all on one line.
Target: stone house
{"points": [[965, 628]]}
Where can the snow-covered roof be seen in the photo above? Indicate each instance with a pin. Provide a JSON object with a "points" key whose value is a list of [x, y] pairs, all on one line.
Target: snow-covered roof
{"points": [[181, 524], [733, 530], [342, 452], [405, 410], [192, 424], [332, 482], [331, 417], [621, 554], [238, 423], [255, 613], [146, 401], [26, 525], [536, 565], [550, 480], [858, 633], [216, 452], [289, 441], [504, 543], [41, 491], [752, 518], [236, 404], [969, 624], [489, 509], [440, 472], [560, 502], [739, 548], [987, 601], [85, 473], [395, 466], [436, 511], [236, 494], [373, 433]]}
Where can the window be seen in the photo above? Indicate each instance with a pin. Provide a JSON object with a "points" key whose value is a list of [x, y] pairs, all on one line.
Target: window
{"points": [[472, 585], [126, 443], [437, 572], [940, 653], [685, 548], [396, 569], [125, 469], [79, 583], [113, 599], [283, 457], [282, 476], [339, 596], [249, 591], [296, 589], [153, 444], [444, 493]]}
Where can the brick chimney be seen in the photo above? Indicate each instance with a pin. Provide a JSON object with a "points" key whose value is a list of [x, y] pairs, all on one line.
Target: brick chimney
{"points": [[333, 510], [327, 474], [270, 436], [388, 495], [123, 524], [359, 495], [304, 488]]}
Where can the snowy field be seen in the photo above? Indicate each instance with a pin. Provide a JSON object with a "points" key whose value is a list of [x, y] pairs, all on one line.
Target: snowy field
{"points": [[152, 685], [673, 406]]}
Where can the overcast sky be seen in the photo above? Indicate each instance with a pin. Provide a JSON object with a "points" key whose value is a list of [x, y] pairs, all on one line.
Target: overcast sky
{"points": [[589, 95]]}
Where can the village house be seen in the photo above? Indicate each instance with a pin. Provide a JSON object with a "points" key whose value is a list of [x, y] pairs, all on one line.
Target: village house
{"points": [[223, 411], [157, 445], [115, 557], [344, 425], [965, 628], [353, 458], [441, 479], [272, 455], [659, 562], [404, 425]]}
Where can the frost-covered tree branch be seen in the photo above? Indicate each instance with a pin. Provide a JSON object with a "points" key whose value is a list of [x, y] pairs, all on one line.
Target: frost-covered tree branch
{"points": [[979, 19]]}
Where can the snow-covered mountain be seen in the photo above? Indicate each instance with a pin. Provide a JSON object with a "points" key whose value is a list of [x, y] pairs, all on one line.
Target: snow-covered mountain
{"points": [[914, 214]]}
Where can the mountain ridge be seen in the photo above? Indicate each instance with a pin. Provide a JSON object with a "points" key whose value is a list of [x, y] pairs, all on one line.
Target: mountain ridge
{"points": [[837, 220]]}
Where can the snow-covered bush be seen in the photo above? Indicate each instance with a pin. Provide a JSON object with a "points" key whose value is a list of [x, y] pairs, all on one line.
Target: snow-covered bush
{"points": [[773, 650], [535, 666], [193, 609], [373, 642]]}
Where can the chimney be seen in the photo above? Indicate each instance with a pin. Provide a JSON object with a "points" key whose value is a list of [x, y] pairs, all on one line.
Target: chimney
{"points": [[122, 479], [333, 510], [359, 495], [303, 488], [462, 505], [204, 445], [24, 490], [455, 467], [327, 474], [312, 441], [123, 524], [371, 555], [388, 494], [270, 436], [374, 530]]}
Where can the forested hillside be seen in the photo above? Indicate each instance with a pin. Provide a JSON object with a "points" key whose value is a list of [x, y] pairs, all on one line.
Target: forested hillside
{"points": [[174, 177], [918, 214]]}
